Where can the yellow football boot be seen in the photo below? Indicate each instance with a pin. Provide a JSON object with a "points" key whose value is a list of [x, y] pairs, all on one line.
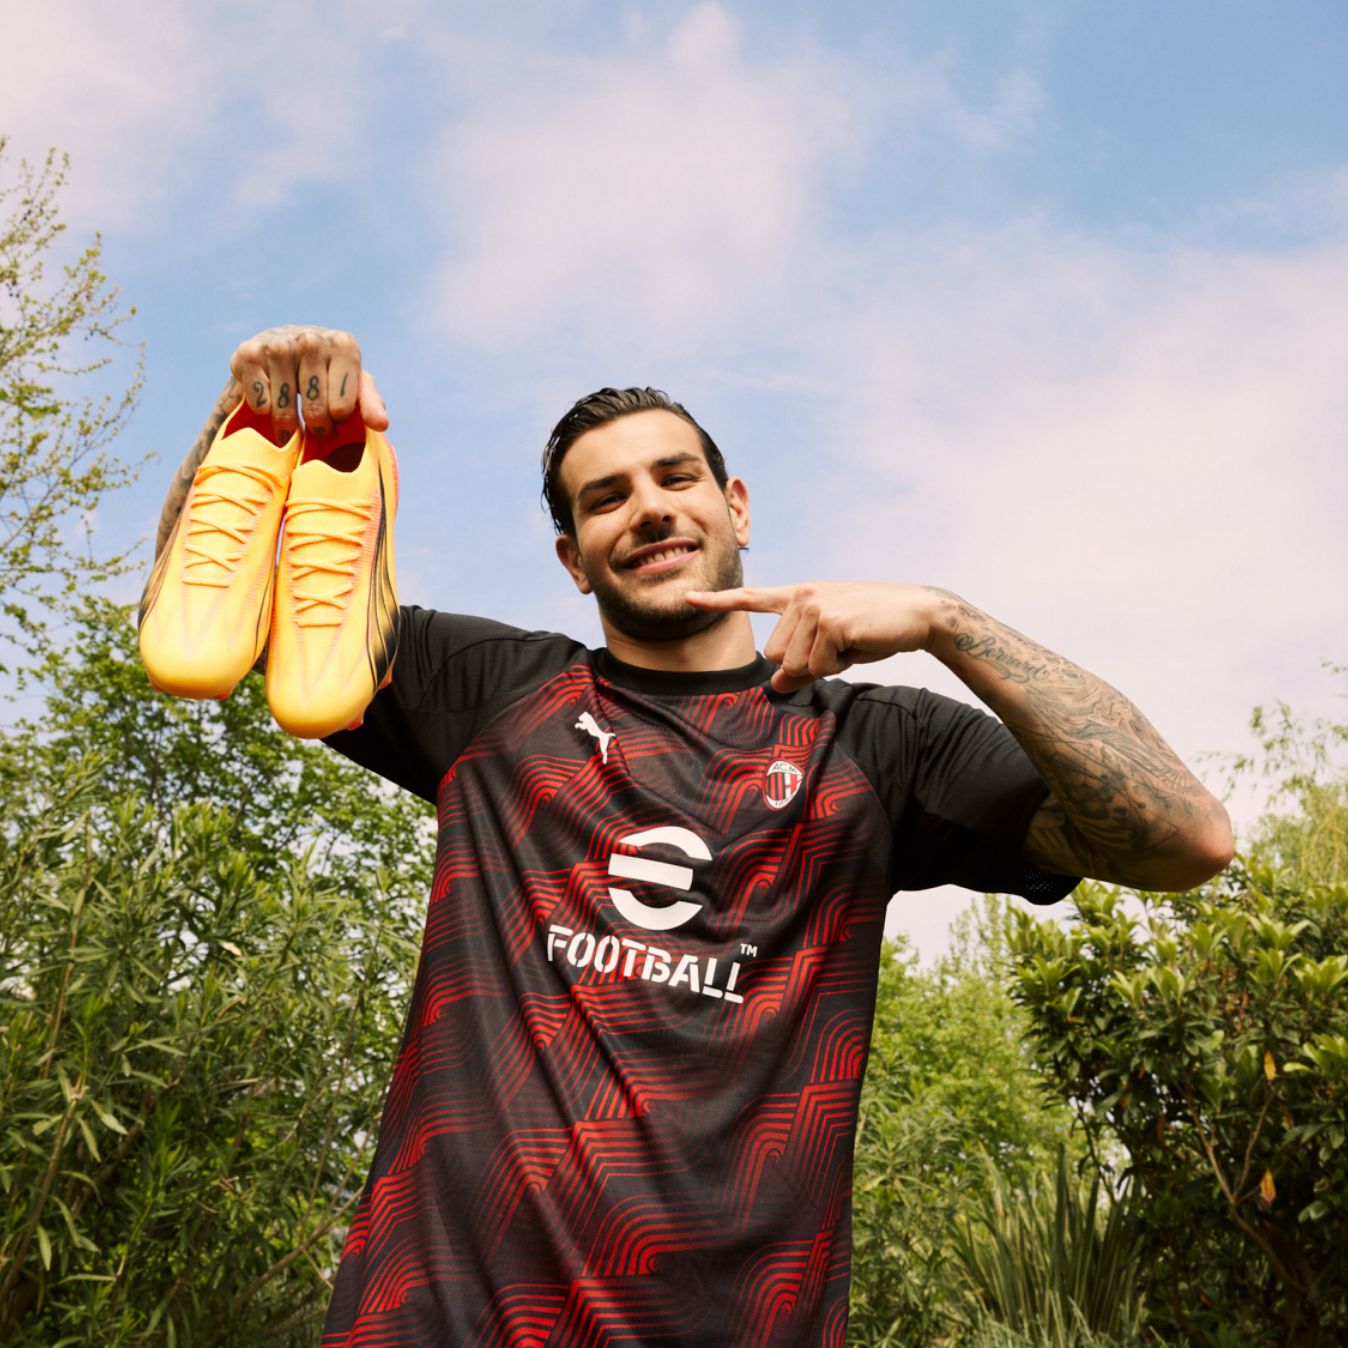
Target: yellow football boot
{"points": [[334, 629], [206, 608]]}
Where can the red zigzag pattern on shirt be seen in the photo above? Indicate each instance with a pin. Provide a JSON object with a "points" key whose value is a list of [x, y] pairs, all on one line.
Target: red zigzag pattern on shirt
{"points": [[598, 1146]]}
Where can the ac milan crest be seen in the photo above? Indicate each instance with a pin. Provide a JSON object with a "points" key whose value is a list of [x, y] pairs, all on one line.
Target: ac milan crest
{"points": [[780, 784]]}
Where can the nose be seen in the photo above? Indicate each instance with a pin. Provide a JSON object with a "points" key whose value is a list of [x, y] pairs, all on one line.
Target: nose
{"points": [[650, 505]]}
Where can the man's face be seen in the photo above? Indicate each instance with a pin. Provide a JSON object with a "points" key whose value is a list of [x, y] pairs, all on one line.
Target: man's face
{"points": [[651, 524]]}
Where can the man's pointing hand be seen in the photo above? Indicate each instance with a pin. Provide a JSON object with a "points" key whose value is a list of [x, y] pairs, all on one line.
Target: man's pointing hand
{"points": [[828, 626]]}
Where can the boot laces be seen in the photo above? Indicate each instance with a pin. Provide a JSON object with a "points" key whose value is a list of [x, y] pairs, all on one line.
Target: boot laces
{"points": [[319, 603], [209, 560]]}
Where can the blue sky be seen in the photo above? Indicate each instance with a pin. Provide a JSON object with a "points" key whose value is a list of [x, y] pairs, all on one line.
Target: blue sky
{"points": [[1042, 302]]}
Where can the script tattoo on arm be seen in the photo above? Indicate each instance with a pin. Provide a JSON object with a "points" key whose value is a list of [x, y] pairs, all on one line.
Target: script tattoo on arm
{"points": [[182, 481], [1124, 808]]}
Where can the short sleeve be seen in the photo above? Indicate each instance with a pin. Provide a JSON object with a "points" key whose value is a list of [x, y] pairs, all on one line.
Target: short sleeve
{"points": [[450, 673], [958, 789]]}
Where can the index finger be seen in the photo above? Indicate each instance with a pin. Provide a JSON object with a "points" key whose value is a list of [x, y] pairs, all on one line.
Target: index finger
{"points": [[749, 598]]}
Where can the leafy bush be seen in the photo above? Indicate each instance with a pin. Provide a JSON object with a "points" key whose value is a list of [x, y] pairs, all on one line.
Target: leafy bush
{"points": [[1058, 1264], [948, 1083], [993, 1334], [1208, 1041], [197, 1018]]}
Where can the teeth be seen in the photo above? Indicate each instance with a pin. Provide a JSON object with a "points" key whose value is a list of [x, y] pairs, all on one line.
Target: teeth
{"points": [[661, 556]]}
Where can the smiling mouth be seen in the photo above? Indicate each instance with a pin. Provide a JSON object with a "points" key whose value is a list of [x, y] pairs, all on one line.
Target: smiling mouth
{"points": [[660, 559]]}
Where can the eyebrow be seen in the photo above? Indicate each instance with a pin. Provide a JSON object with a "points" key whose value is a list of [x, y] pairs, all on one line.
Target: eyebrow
{"points": [[668, 461]]}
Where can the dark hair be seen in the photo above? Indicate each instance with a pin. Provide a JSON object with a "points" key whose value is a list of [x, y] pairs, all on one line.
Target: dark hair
{"points": [[598, 409]]}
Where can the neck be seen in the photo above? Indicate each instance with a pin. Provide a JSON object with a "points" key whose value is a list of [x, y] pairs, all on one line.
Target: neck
{"points": [[727, 644]]}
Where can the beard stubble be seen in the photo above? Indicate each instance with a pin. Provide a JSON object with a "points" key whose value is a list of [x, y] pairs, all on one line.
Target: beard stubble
{"points": [[666, 621]]}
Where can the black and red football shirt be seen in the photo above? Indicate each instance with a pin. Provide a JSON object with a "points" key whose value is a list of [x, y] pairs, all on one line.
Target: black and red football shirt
{"points": [[624, 1105]]}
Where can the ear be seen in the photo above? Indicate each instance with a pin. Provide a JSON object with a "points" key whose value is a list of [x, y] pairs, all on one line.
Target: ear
{"points": [[569, 556], [737, 502]]}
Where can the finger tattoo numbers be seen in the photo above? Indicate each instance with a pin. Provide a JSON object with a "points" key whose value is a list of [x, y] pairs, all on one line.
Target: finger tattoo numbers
{"points": [[311, 388], [261, 393], [283, 396]]}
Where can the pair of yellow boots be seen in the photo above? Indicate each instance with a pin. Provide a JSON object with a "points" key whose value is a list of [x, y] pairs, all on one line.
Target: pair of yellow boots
{"points": [[326, 612]]}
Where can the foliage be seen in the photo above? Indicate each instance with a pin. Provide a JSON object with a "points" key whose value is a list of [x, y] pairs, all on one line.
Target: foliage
{"points": [[991, 1333], [1053, 1264], [948, 1083], [198, 1003], [54, 464], [1208, 1039], [281, 794]]}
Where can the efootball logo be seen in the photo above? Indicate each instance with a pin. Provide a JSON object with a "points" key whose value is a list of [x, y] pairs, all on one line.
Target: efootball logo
{"points": [[780, 784], [626, 958]]}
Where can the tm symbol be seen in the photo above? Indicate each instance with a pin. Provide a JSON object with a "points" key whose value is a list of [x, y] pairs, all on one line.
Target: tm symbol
{"points": [[748, 950]]}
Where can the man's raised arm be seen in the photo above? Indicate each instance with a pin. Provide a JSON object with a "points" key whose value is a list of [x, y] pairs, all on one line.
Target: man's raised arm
{"points": [[1122, 807]]}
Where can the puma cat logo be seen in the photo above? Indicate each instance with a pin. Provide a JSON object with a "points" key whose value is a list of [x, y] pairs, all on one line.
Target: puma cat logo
{"points": [[588, 724]]}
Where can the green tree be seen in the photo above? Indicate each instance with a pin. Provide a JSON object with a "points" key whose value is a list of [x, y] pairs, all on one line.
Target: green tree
{"points": [[1208, 1039], [55, 466], [198, 1004], [949, 1084], [207, 929], [281, 795]]}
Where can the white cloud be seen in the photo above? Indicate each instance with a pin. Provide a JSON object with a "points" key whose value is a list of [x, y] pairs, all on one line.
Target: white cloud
{"points": [[653, 189], [311, 120], [650, 194], [1130, 453], [144, 98], [122, 96], [923, 99], [1135, 458], [1301, 206]]}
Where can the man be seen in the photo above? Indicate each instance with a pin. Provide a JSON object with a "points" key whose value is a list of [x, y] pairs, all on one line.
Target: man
{"points": [[625, 1101]]}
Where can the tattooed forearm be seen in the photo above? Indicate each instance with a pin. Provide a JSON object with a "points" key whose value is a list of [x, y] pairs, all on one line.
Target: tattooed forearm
{"points": [[182, 481], [989, 648], [1123, 807]]}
